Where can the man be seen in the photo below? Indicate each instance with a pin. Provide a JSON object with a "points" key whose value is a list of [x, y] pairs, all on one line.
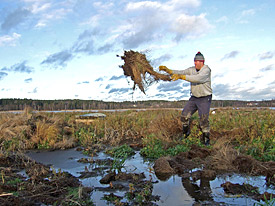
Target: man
{"points": [[201, 95]]}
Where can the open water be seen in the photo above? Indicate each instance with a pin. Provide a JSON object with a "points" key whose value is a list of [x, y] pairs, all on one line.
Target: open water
{"points": [[172, 191]]}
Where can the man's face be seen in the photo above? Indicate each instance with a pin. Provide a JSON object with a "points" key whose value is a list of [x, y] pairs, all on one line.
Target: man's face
{"points": [[198, 64]]}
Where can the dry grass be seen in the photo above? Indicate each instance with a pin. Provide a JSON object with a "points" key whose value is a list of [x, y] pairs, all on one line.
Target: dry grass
{"points": [[30, 130], [166, 126], [45, 134], [223, 155], [229, 129], [132, 125]]}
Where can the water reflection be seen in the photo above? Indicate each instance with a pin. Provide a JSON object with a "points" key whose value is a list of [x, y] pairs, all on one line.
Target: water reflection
{"points": [[201, 192], [172, 192], [175, 191]]}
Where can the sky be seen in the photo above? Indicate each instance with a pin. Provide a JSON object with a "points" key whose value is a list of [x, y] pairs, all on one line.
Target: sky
{"points": [[67, 49]]}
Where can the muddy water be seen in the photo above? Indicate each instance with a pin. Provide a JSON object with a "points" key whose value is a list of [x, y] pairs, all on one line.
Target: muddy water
{"points": [[173, 191]]}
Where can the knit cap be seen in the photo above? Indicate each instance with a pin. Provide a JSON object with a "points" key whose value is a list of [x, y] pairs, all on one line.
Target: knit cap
{"points": [[199, 57]]}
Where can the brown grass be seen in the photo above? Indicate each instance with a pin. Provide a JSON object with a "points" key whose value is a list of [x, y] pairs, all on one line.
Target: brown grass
{"points": [[223, 155], [45, 133], [30, 130]]}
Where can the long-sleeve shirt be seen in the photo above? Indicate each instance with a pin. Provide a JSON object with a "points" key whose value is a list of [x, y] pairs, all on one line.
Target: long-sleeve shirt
{"points": [[200, 80]]}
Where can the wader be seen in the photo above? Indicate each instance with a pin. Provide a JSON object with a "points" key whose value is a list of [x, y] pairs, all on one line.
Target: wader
{"points": [[202, 105]]}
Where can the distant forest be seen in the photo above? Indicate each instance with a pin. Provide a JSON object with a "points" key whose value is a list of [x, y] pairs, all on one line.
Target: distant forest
{"points": [[73, 104]]}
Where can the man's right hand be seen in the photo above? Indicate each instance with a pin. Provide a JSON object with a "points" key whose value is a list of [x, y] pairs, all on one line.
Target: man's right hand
{"points": [[164, 68]]}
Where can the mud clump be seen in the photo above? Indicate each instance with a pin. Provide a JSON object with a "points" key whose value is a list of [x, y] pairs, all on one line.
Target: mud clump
{"points": [[236, 189], [139, 69], [162, 168], [246, 189], [244, 164], [198, 152]]}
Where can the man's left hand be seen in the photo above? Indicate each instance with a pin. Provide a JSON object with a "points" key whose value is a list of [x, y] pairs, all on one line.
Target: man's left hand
{"points": [[175, 77]]}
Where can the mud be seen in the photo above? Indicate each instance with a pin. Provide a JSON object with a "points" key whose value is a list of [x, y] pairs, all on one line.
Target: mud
{"points": [[139, 69], [193, 171], [200, 158], [246, 189], [42, 185]]}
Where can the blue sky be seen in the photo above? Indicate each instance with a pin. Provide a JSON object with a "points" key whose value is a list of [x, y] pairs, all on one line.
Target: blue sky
{"points": [[66, 49]]}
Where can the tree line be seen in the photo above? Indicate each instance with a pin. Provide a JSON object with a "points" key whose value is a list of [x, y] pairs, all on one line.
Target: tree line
{"points": [[77, 104]]}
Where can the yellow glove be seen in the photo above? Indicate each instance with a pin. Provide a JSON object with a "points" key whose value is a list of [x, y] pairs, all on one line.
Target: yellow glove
{"points": [[175, 77], [164, 68]]}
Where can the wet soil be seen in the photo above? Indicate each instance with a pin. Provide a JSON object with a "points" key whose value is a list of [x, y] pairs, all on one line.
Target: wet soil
{"points": [[202, 158], [43, 184], [246, 189]]}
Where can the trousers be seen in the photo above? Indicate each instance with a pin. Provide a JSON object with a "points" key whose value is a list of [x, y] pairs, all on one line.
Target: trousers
{"points": [[200, 104]]}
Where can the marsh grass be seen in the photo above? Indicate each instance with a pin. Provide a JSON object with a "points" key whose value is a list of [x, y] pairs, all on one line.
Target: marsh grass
{"points": [[247, 131], [250, 131]]}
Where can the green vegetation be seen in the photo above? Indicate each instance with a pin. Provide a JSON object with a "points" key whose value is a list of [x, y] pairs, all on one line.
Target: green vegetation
{"points": [[157, 131], [74, 197], [154, 148], [120, 155], [121, 151], [251, 131], [140, 197], [267, 202], [85, 136]]}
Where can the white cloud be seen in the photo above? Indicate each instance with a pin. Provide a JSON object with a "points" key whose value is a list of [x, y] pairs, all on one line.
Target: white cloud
{"points": [[192, 26], [150, 20], [248, 12], [243, 18], [7, 40], [142, 5], [103, 6], [266, 55], [223, 19], [40, 24], [182, 4], [38, 7]]}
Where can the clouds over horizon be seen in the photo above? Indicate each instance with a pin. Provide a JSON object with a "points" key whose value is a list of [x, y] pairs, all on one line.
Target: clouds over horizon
{"points": [[229, 92], [266, 55], [9, 40], [20, 67], [230, 55], [3, 75]]}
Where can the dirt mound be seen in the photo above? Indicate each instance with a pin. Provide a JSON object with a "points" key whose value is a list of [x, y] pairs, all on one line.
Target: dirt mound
{"points": [[198, 152], [246, 189], [139, 69], [236, 189], [163, 169]]}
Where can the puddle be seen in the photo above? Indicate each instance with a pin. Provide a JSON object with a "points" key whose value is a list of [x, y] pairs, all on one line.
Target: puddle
{"points": [[175, 191]]}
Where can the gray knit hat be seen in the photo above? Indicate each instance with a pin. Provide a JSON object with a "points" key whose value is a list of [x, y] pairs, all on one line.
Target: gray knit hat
{"points": [[199, 57]]}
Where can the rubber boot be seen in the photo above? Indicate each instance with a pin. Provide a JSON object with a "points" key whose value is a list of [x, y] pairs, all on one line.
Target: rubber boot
{"points": [[206, 138], [185, 131], [202, 139]]}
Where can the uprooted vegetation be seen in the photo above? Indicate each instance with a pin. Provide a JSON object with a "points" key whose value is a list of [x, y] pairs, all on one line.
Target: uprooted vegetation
{"points": [[139, 69], [242, 141]]}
